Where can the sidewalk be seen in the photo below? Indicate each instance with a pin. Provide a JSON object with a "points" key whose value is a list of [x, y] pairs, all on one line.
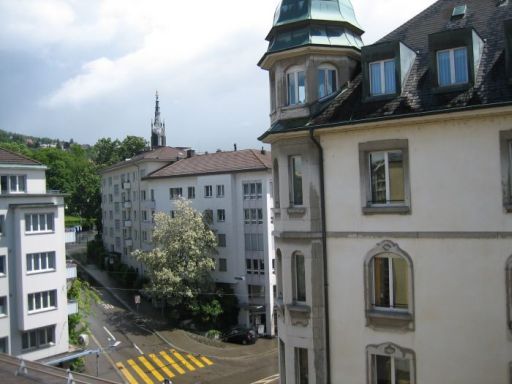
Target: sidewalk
{"points": [[151, 318]]}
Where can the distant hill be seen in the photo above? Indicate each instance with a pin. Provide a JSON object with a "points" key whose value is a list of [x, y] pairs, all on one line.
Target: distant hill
{"points": [[34, 141]]}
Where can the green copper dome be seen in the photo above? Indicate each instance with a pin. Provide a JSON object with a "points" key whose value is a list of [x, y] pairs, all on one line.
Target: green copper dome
{"points": [[314, 22]]}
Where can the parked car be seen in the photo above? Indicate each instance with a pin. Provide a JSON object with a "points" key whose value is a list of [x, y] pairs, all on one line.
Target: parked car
{"points": [[240, 335]]}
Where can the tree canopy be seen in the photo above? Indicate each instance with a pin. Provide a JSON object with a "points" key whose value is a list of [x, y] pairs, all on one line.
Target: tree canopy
{"points": [[107, 151], [179, 266]]}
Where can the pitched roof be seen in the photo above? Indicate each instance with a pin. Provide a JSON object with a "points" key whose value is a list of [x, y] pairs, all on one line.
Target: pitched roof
{"points": [[219, 162], [418, 96], [9, 157], [158, 154]]}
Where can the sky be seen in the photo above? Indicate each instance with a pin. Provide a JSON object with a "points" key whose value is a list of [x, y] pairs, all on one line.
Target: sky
{"points": [[87, 69]]}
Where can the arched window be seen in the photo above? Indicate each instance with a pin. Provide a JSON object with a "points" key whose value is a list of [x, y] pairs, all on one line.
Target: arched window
{"points": [[389, 363], [276, 183], [389, 285], [279, 274], [299, 277], [296, 85], [326, 78]]}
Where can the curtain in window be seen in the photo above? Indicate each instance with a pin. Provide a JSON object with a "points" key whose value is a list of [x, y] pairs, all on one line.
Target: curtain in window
{"points": [[461, 65], [400, 283], [443, 67], [389, 76], [375, 79], [301, 79]]}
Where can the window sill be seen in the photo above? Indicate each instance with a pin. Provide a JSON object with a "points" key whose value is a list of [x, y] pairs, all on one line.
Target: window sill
{"points": [[390, 319], [38, 233], [387, 209], [30, 273], [38, 311], [296, 211], [299, 314], [3, 315]]}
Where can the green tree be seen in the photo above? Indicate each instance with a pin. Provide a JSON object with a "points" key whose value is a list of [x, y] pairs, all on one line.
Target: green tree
{"points": [[105, 151], [180, 264], [130, 146], [82, 292]]}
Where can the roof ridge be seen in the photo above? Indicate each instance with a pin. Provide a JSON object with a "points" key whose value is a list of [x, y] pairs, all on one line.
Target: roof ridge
{"points": [[21, 155]]}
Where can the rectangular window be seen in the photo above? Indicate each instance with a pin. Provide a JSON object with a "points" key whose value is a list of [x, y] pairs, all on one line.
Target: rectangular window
{"points": [[208, 216], [221, 215], [223, 265], [220, 190], [221, 237], [175, 193], [144, 236], [296, 180], [390, 369], [208, 191], [252, 190], [143, 195], [40, 262], [282, 362], [191, 193], [387, 177], [254, 242], [301, 366], [326, 82], [13, 183], [40, 301], [43, 222], [116, 189], [382, 77], [299, 275], [152, 193], [3, 345], [296, 87], [3, 266], [3, 306], [452, 66], [390, 282], [256, 291], [2, 224], [38, 338]]}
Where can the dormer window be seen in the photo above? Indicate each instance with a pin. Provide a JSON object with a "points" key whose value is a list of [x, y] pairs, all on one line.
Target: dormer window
{"points": [[326, 81], [296, 84], [452, 66], [382, 77]]}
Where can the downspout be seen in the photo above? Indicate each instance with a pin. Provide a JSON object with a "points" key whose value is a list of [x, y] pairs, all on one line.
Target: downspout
{"points": [[324, 253]]}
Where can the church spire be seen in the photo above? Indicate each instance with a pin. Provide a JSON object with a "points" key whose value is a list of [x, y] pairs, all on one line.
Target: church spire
{"points": [[157, 127]]}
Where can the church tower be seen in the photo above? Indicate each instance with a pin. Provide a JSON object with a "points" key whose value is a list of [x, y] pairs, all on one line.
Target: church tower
{"points": [[157, 127]]}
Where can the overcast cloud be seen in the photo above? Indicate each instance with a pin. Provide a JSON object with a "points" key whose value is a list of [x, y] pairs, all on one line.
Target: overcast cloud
{"points": [[86, 69]]}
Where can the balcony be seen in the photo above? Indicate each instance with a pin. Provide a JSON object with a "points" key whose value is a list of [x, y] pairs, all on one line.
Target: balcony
{"points": [[127, 185], [70, 271], [72, 307], [128, 242], [128, 223], [127, 204]]}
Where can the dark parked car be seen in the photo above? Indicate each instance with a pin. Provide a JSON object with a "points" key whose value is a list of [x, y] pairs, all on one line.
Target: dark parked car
{"points": [[240, 335]]}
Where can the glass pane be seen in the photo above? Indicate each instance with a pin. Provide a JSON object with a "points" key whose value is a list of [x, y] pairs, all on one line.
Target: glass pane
{"points": [[43, 261], [29, 262], [3, 183], [378, 177], [297, 180], [49, 221], [30, 302], [45, 300], [331, 81], [400, 283], [36, 262], [381, 281], [302, 361], [300, 278], [396, 176], [381, 369], [28, 223], [461, 65], [22, 184], [37, 299], [402, 371], [321, 84], [51, 260], [389, 76], [292, 99], [302, 86], [443, 67], [248, 263], [52, 298], [42, 222], [375, 85], [14, 183], [35, 222]]}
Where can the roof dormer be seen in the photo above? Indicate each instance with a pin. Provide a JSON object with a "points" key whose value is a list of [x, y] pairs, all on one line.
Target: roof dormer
{"points": [[385, 68]]}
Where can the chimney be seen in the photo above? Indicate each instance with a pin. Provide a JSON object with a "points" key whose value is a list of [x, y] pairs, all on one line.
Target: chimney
{"points": [[190, 153], [234, 147], [262, 150]]}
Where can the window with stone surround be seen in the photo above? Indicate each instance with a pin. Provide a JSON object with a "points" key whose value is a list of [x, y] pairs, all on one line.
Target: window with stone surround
{"points": [[390, 364], [299, 277]]}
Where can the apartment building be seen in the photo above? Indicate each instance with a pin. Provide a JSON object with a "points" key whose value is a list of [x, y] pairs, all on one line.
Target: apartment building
{"points": [[233, 191], [33, 272], [392, 186]]}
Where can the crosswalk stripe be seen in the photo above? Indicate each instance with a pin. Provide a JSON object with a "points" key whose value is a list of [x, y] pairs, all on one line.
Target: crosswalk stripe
{"points": [[161, 365], [140, 372], [126, 373], [151, 369], [206, 360], [172, 362], [195, 361], [183, 361]]}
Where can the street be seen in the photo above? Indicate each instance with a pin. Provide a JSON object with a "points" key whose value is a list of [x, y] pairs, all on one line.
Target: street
{"points": [[145, 356]]}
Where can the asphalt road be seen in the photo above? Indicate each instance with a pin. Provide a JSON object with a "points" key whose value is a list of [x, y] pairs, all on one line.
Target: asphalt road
{"points": [[147, 359]]}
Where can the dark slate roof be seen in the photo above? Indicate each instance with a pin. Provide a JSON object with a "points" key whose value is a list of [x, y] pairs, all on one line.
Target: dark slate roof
{"points": [[9, 157], [158, 154], [213, 163], [491, 86]]}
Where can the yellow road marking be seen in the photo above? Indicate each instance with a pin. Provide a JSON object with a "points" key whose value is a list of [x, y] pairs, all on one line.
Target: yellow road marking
{"points": [[140, 372], [152, 369], [206, 360], [183, 361], [172, 362], [161, 365], [126, 373], [195, 361]]}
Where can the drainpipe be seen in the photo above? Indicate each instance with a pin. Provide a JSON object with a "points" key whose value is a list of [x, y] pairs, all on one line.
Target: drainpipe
{"points": [[139, 181], [324, 253]]}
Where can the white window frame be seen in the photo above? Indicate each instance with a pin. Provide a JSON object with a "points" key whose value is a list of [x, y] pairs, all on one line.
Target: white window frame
{"points": [[451, 51], [208, 191], [294, 71], [291, 167], [220, 190], [381, 64], [393, 352], [49, 217], [386, 165], [42, 298], [326, 69], [191, 193], [37, 343], [35, 262]]}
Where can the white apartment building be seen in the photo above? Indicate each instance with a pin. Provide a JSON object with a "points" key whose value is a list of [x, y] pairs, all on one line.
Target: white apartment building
{"points": [[393, 188], [33, 272], [233, 190]]}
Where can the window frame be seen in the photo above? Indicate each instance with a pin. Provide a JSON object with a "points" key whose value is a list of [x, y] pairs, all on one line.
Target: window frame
{"points": [[191, 193], [393, 352], [298, 358], [365, 149], [223, 243], [453, 74], [208, 191], [223, 264], [294, 72], [294, 201], [3, 266], [20, 180], [298, 296], [381, 316], [220, 190], [29, 224], [382, 70], [36, 334], [174, 193], [4, 307], [324, 70], [221, 215], [508, 282], [40, 256], [505, 138], [42, 298]]}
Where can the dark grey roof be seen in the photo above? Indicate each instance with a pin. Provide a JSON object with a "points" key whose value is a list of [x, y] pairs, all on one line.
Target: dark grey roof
{"points": [[161, 154], [418, 96]]}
